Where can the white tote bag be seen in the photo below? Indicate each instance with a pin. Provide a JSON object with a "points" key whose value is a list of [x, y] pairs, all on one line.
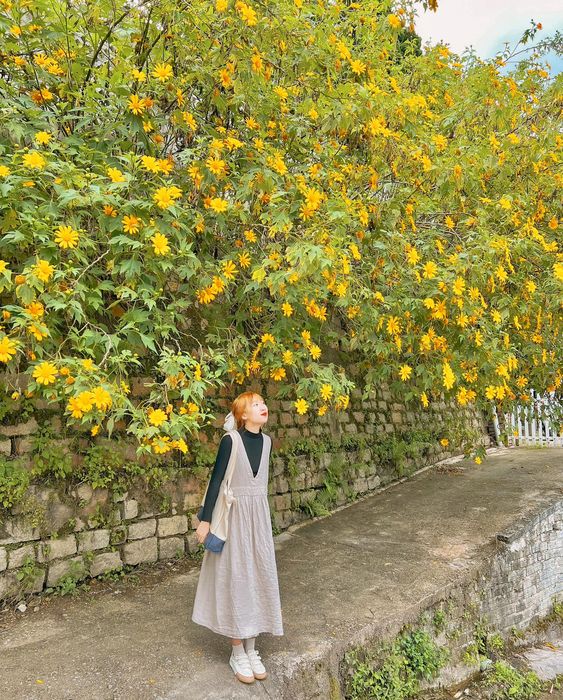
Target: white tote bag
{"points": [[219, 526]]}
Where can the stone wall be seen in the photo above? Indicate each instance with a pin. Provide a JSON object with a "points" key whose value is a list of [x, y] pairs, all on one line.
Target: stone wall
{"points": [[515, 586], [85, 531]]}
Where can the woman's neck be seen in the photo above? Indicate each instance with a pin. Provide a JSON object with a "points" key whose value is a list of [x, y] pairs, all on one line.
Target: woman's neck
{"points": [[253, 432]]}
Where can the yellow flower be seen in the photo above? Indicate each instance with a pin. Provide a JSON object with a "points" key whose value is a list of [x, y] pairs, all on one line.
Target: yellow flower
{"points": [[95, 430], [43, 270], [393, 325], [429, 270], [88, 364], [66, 237], [160, 244], [558, 271], [4, 171], [287, 309], [139, 75], [162, 71], [221, 5], [301, 406], [35, 309], [34, 159], [217, 166], [553, 223], [278, 374], [161, 444], [326, 391], [357, 66], [180, 445], [101, 398], [75, 407], [394, 21], [412, 256], [116, 175], [157, 417], [505, 203], [247, 13], [229, 269], [477, 460], [45, 373], [136, 104], [39, 332], [448, 375], [150, 163], [219, 205], [405, 372], [43, 137], [424, 399], [256, 62], [440, 142], [130, 223], [314, 351], [7, 349], [165, 196], [444, 442], [458, 287]]}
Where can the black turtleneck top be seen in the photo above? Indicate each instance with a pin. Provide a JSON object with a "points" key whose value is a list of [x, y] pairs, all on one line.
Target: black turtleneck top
{"points": [[253, 443]]}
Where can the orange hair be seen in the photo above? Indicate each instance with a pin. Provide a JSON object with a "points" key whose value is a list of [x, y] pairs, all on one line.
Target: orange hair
{"points": [[240, 405]]}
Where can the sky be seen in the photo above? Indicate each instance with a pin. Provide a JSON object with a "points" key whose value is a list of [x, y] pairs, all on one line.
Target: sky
{"points": [[487, 24]]}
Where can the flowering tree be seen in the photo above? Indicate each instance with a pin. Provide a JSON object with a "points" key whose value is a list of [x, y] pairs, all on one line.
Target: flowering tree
{"points": [[210, 191]]}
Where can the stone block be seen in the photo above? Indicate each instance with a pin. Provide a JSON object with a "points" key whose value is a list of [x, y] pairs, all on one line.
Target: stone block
{"points": [[118, 535], [192, 500], [92, 539], [105, 562], [26, 428], [130, 509], [140, 551], [8, 584], [3, 559], [17, 557], [84, 492], [59, 548], [282, 502], [192, 543], [142, 529], [57, 514], [169, 546], [61, 568], [6, 447], [177, 524], [16, 530]]}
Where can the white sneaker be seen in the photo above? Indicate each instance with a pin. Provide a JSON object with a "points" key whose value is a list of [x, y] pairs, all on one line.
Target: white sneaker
{"points": [[256, 664], [241, 667]]}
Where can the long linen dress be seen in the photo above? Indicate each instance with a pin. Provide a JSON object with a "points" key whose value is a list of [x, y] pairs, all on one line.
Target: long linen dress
{"points": [[237, 592]]}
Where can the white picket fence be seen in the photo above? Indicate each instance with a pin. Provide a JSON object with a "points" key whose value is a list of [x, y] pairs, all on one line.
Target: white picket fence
{"points": [[538, 422]]}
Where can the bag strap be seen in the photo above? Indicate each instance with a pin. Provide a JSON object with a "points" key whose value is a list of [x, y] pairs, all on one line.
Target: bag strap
{"points": [[230, 466], [232, 458]]}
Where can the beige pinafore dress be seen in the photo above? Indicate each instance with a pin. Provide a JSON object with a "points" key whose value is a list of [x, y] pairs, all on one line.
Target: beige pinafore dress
{"points": [[237, 592]]}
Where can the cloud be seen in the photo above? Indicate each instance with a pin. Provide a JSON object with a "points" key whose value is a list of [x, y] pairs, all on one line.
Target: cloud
{"points": [[487, 24]]}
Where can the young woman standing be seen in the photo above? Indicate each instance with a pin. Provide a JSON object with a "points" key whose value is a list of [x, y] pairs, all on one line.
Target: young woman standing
{"points": [[237, 592]]}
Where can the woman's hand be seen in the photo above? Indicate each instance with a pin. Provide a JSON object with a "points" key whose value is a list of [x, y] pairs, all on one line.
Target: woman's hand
{"points": [[202, 531]]}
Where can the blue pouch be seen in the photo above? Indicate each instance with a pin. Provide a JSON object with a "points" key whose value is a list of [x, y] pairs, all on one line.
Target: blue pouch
{"points": [[212, 542]]}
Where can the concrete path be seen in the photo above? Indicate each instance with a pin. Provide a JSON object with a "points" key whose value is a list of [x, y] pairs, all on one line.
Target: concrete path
{"points": [[370, 561]]}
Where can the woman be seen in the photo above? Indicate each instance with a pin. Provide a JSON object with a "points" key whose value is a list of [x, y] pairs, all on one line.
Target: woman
{"points": [[237, 592]]}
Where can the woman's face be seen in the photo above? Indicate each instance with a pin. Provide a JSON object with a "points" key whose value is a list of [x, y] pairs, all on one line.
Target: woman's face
{"points": [[256, 412]]}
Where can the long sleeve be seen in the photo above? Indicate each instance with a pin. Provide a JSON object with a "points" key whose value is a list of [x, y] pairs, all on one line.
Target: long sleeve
{"points": [[221, 462]]}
